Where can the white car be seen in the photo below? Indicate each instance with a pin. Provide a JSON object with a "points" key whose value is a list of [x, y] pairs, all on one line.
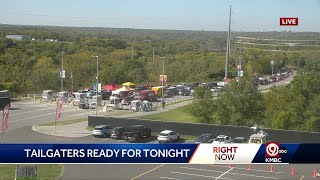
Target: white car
{"points": [[102, 131], [168, 136], [222, 139]]}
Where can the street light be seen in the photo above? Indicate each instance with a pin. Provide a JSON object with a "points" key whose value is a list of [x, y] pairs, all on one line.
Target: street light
{"points": [[61, 73], [162, 89], [97, 84]]}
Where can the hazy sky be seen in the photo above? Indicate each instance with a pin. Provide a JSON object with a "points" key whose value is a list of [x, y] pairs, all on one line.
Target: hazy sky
{"points": [[248, 15]]}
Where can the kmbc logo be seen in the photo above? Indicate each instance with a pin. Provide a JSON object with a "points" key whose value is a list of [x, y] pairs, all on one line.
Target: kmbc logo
{"points": [[273, 152]]}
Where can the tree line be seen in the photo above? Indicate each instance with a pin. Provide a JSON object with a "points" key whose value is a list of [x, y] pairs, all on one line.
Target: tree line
{"points": [[126, 55]]}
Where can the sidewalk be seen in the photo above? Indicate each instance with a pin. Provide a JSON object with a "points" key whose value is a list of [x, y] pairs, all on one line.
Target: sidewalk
{"points": [[70, 130]]}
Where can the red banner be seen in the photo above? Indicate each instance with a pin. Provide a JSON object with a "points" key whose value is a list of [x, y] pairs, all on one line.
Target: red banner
{"points": [[59, 108], [5, 119]]}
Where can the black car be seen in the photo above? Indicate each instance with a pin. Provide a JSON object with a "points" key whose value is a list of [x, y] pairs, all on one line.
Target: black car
{"points": [[205, 138], [117, 132], [105, 95], [136, 133], [240, 140]]}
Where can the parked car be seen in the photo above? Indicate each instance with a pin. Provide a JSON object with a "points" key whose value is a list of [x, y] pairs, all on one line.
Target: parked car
{"points": [[205, 138], [222, 139], [240, 140], [105, 95], [102, 131], [136, 133], [117, 132], [168, 136], [184, 92]]}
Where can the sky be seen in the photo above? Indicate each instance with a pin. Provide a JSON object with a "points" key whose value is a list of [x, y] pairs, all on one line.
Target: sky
{"points": [[209, 15]]}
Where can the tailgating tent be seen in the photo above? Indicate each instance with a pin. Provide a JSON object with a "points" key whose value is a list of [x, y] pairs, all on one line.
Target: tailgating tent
{"points": [[110, 87], [128, 84], [123, 89]]}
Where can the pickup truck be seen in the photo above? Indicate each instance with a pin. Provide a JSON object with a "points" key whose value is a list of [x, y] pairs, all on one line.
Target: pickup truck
{"points": [[136, 133], [4, 99]]}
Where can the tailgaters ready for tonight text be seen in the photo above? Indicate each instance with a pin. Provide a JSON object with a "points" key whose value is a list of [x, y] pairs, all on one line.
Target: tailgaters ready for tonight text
{"points": [[105, 153]]}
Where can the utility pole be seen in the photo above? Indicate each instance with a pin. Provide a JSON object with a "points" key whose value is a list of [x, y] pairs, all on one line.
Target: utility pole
{"points": [[228, 48], [71, 83], [153, 53], [97, 84], [132, 52], [162, 89], [62, 74], [239, 69], [272, 63]]}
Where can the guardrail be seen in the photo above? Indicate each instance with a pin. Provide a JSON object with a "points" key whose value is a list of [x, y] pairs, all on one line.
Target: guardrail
{"points": [[169, 102]]}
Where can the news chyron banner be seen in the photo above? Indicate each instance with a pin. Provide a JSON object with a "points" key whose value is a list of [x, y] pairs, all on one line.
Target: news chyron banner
{"points": [[159, 153]]}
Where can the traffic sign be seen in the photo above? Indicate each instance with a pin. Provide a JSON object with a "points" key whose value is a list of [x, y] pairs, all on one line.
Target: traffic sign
{"points": [[239, 67], [240, 73], [63, 74], [163, 78]]}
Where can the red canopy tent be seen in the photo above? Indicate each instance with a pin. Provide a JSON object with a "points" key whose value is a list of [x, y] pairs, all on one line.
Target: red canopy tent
{"points": [[111, 87]]}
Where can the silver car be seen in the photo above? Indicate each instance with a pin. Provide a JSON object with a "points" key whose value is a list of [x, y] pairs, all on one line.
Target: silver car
{"points": [[102, 131]]}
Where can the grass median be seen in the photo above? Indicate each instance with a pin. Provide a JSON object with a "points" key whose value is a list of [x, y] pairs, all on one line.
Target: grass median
{"points": [[178, 114], [61, 123], [45, 171]]}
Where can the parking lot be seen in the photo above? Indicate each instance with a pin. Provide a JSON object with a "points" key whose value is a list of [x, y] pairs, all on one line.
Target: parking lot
{"points": [[233, 172]]}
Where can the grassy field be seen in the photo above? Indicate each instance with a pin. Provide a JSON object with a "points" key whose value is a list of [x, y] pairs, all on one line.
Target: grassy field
{"points": [[45, 172], [178, 114]]}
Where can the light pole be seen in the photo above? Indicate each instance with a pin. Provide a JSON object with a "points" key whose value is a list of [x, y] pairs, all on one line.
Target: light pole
{"points": [[97, 84], [71, 84], [62, 72], [162, 89], [272, 63]]}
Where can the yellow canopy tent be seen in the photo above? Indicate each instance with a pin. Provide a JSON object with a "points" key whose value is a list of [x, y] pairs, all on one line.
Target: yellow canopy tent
{"points": [[128, 84]]}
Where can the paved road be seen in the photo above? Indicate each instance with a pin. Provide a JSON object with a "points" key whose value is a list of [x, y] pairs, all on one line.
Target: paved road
{"points": [[28, 113]]}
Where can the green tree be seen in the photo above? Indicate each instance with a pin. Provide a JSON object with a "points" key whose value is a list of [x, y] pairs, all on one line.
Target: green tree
{"points": [[202, 107], [240, 104]]}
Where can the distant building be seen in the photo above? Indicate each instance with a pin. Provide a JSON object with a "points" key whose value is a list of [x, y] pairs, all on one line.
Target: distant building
{"points": [[18, 37], [51, 40]]}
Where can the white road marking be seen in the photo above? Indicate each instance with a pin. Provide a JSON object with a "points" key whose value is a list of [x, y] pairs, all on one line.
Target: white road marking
{"points": [[197, 169], [169, 178], [277, 172], [35, 116], [199, 175], [223, 174]]}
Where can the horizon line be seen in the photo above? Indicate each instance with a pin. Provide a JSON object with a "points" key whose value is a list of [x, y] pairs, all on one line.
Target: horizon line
{"points": [[202, 30]]}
